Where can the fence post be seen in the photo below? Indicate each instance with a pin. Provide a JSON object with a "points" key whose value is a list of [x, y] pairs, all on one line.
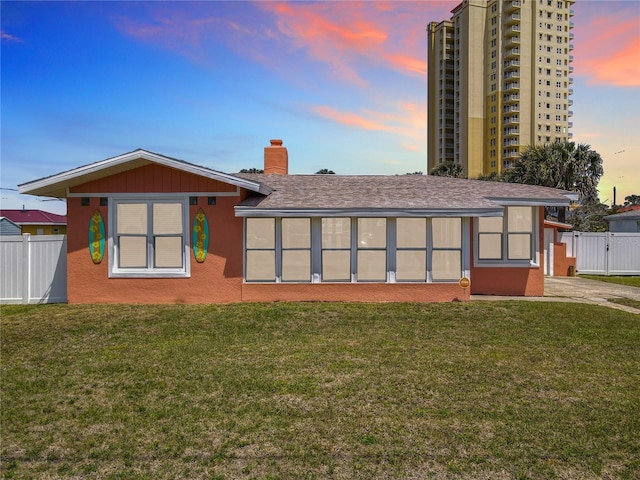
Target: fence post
{"points": [[26, 267]]}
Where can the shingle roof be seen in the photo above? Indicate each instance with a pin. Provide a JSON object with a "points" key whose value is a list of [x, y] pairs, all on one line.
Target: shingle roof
{"points": [[393, 192], [629, 215], [28, 217]]}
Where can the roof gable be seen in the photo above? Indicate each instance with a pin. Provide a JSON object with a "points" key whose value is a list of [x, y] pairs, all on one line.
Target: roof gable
{"points": [[59, 184]]}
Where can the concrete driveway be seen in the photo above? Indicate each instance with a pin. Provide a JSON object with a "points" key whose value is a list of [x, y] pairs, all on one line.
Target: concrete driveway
{"points": [[590, 291], [580, 290]]}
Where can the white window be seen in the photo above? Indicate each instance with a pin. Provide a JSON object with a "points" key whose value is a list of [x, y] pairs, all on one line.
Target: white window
{"points": [[149, 238], [411, 249], [296, 249], [446, 253], [372, 249], [260, 249], [336, 249], [508, 238]]}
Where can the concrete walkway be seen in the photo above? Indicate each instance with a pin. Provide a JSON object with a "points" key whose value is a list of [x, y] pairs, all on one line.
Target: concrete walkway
{"points": [[579, 290]]}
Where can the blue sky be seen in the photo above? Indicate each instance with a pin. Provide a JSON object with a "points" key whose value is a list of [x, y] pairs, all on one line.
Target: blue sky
{"points": [[342, 83]]}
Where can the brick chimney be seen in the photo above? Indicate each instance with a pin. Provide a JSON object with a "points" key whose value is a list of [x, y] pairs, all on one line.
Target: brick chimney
{"points": [[276, 159]]}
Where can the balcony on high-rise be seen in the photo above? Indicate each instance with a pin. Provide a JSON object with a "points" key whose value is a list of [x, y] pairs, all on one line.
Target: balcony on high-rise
{"points": [[511, 86], [512, 30], [511, 19], [513, 6], [511, 74], [514, 52], [511, 98], [512, 41]]}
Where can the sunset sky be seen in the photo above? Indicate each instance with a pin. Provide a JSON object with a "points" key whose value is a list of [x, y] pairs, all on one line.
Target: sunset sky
{"points": [[342, 83]]}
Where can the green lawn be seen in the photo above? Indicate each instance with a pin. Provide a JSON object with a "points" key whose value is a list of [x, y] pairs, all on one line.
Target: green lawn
{"points": [[500, 390], [621, 280]]}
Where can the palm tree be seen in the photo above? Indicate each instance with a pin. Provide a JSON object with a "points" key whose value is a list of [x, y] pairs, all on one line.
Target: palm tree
{"points": [[562, 164], [448, 169]]}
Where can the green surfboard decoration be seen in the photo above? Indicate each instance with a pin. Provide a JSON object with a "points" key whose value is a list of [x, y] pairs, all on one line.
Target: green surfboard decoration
{"points": [[96, 237], [200, 236]]}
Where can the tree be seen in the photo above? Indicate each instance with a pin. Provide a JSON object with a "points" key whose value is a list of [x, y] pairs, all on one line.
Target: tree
{"points": [[562, 164], [448, 169], [251, 170], [631, 200], [589, 217], [325, 171]]}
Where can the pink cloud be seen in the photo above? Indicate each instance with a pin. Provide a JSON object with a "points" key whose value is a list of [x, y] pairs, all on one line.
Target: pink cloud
{"points": [[351, 37], [349, 119], [407, 120], [608, 48]]}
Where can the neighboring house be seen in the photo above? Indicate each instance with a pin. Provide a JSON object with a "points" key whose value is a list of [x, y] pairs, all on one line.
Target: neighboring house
{"points": [[7, 227], [146, 228], [37, 222], [628, 222]]}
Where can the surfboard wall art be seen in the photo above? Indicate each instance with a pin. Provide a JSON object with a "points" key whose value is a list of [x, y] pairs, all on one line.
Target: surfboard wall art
{"points": [[200, 236], [96, 237]]}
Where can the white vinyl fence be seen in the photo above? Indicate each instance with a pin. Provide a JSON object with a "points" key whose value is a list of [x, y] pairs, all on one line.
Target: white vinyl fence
{"points": [[33, 268], [605, 253]]}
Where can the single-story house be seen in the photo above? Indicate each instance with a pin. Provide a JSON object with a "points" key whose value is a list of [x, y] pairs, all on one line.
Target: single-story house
{"points": [[628, 222], [37, 222], [147, 228]]}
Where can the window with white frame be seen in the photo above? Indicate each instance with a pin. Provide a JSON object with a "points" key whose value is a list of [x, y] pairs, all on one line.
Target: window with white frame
{"points": [[260, 243], [336, 249], [149, 237], [506, 238], [411, 249], [296, 249], [372, 249], [446, 249]]}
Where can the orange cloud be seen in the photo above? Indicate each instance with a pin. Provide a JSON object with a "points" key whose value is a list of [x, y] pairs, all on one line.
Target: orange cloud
{"points": [[349, 119]]}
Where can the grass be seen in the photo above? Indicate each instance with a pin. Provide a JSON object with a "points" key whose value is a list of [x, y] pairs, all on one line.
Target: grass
{"points": [[620, 280], [501, 390]]}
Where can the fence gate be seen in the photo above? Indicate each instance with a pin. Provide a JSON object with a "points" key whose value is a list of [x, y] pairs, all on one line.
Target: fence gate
{"points": [[33, 269], [607, 253]]}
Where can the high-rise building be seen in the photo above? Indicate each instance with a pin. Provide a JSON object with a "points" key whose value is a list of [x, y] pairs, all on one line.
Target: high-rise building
{"points": [[499, 80]]}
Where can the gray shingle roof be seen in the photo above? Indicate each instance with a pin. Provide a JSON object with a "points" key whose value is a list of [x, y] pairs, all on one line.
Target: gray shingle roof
{"points": [[629, 215], [392, 192]]}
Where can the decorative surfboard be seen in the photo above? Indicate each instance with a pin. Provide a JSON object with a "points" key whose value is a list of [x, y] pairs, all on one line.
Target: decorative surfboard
{"points": [[200, 236], [96, 237]]}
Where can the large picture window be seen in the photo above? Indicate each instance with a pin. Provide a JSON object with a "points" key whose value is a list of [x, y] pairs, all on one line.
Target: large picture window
{"points": [[149, 238]]}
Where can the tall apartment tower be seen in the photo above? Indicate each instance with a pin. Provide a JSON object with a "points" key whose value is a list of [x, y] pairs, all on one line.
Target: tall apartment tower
{"points": [[499, 80]]}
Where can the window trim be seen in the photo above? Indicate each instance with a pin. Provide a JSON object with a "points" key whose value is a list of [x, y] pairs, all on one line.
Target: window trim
{"points": [[149, 272]]}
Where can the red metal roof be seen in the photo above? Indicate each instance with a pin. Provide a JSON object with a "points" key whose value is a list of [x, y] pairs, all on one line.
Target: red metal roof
{"points": [[29, 217]]}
